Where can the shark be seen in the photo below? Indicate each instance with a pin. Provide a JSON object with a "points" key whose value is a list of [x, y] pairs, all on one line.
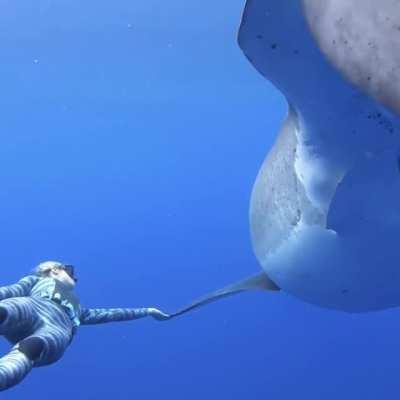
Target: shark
{"points": [[325, 206]]}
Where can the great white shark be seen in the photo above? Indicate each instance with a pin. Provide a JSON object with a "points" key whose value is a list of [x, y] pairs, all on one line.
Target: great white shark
{"points": [[325, 207]]}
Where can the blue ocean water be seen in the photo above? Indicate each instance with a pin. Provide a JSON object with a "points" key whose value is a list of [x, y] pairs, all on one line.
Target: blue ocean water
{"points": [[131, 134]]}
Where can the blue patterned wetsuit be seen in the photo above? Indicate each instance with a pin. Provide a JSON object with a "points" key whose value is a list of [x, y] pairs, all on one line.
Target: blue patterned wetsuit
{"points": [[40, 316]]}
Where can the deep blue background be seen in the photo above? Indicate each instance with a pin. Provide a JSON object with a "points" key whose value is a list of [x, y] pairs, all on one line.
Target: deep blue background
{"points": [[131, 134]]}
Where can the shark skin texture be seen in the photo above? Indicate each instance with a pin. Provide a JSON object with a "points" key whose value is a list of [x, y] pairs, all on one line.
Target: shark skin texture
{"points": [[325, 207]]}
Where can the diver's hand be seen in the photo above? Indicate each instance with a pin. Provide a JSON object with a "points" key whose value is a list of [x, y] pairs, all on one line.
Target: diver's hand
{"points": [[158, 314]]}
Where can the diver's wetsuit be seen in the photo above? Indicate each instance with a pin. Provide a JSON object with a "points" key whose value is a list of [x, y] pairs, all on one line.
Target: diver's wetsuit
{"points": [[40, 316]]}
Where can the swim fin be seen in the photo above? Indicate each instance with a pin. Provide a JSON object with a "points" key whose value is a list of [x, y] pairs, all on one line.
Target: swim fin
{"points": [[257, 282]]}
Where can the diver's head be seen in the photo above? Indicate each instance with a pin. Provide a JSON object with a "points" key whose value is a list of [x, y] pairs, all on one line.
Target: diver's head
{"points": [[64, 273]]}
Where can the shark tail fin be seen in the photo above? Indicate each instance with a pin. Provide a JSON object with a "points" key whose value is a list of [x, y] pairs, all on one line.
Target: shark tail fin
{"points": [[256, 282]]}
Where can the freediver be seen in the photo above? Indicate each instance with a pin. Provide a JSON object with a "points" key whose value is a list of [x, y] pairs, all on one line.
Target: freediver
{"points": [[40, 315]]}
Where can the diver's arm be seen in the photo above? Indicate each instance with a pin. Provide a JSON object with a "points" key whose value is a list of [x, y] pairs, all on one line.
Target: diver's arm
{"points": [[20, 289], [92, 316]]}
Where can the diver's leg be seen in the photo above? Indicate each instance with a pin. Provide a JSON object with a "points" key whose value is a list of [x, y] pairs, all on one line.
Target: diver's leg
{"points": [[47, 345], [18, 318], [32, 347], [14, 367], [3, 314], [42, 331]]}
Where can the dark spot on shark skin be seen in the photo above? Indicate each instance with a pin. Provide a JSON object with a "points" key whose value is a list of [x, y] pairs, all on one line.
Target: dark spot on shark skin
{"points": [[368, 78], [345, 291], [274, 46], [259, 36], [398, 163], [381, 121], [389, 126], [296, 52]]}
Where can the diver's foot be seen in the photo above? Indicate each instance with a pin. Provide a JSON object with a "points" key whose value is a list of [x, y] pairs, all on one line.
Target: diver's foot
{"points": [[158, 314]]}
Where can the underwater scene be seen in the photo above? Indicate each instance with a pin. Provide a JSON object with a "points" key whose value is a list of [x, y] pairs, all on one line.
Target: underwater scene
{"points": [[200, 200]]}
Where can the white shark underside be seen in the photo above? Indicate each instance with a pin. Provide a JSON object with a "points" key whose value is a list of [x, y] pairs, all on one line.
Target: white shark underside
{"points": [[325, 208]]}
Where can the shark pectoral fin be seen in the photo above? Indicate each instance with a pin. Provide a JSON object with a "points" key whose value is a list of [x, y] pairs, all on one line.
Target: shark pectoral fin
{"points": [[257, 282]]}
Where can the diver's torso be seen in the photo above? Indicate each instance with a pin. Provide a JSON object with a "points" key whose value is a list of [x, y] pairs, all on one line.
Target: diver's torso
{"points": [[57, 292]]}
